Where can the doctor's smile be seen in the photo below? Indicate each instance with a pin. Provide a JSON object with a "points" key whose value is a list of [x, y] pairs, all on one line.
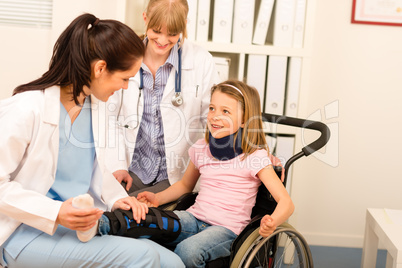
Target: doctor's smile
{"points": [[160, 45]]}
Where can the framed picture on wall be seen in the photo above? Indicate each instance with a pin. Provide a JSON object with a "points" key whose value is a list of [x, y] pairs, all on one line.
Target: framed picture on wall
{"points": [[379, 12]]}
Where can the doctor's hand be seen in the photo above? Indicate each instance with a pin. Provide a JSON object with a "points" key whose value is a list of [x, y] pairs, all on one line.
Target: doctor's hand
{"points": [[77, 219], [123, 176], [139, 209]]}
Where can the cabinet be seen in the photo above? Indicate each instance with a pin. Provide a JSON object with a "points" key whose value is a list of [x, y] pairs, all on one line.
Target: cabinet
{"points": [[239, 53]]}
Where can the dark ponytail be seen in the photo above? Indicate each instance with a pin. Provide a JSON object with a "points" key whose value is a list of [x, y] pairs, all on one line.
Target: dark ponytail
{"points": [[87, 39]]}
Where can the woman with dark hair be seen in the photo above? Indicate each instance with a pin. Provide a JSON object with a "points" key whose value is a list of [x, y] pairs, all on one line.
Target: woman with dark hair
{"points": [[51, 151]]}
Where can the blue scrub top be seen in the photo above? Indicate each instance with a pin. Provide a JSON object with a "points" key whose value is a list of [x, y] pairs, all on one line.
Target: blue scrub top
{"points": [[76, 155]]}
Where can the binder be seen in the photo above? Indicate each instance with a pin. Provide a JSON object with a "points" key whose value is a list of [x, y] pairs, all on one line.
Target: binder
{"points": [[276, 82], [284, 151], [203, 9], [192, 19], [243, 20], [256, 72], [282, 146], [262, 22], [222, 65], [300, 16], [284, 23], [293, 86], [223, 21]]}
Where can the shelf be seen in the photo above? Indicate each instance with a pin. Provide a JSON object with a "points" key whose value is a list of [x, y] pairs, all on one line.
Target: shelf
{"points": [[254, 49]]}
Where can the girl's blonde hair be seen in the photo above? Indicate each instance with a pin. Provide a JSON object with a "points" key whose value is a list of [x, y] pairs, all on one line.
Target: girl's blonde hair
{"points": [[249, 99], [173, 13]]}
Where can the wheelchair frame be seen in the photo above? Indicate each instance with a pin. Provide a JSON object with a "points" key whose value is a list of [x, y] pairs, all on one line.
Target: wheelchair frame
{"points": [[252, 250]]}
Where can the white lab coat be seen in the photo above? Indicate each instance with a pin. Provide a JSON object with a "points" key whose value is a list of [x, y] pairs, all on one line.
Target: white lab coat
{"points": [[29, 144], [182, 125]]}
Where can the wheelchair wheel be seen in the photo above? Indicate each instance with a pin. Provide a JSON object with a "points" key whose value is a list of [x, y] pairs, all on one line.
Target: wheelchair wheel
{"points": [[283, 248]]}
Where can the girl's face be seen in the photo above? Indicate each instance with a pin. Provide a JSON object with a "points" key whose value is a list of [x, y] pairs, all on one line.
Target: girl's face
{"points": [[225, 115], [105, 83], [160, 42]]}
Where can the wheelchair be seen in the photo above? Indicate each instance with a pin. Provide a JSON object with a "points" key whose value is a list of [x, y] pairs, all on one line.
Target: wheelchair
{"points": [[285, 247]]}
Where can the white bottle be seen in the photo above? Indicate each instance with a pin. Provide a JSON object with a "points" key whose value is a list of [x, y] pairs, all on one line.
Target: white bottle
{"points": [[82, 202]]}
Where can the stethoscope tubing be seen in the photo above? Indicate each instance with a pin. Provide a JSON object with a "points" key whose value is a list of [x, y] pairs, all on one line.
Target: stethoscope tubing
{"points": [[177, 84], [177, 99]]}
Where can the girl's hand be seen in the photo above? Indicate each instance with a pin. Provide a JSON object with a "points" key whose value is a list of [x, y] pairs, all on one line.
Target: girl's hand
{"points": [[77, 219], [148, 198], [267, 226], [139, 209]]}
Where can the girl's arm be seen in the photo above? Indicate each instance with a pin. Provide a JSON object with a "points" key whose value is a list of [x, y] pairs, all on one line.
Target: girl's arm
{"points": [[285, 205], [183, 186]]}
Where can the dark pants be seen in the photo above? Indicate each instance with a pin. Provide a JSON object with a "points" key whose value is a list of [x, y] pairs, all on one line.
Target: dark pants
{"points": [[138, 187]]}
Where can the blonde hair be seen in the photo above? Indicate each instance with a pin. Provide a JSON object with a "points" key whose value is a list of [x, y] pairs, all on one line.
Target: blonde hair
{"points": [[173, 13], [249, 99]]}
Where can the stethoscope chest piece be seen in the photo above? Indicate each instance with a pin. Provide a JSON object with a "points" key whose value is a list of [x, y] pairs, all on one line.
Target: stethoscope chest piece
{"points": [[177, 99]]}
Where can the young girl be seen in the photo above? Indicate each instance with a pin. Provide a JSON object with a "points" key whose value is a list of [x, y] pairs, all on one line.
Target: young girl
{"points": [[157, 134], [49, 154], [231, 162]]}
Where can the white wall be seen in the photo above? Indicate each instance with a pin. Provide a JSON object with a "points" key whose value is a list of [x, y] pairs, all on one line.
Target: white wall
{"points": [[24, 56], [136, 21], [356, 73], [355, 78]]}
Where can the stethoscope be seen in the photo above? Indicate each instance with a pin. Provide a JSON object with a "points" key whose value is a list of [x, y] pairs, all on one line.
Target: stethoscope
{"points": [[177, 99]]}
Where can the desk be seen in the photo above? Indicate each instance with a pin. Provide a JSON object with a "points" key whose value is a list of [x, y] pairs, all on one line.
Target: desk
{"points": [[379, 227]]}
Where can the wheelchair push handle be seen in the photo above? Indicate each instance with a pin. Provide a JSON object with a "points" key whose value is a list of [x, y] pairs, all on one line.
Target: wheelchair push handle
{"points": [[302, 123]]}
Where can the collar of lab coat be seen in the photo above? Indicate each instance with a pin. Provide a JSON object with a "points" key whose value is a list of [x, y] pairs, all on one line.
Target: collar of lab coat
{"points": [[187, 60], [52, 104]]}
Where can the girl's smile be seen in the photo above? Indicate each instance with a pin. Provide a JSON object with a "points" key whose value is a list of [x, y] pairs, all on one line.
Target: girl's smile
{"points": [[225, 115]]}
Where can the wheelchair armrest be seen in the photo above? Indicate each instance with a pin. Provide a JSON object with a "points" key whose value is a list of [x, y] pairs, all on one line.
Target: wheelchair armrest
{"points": [[184, 202]]}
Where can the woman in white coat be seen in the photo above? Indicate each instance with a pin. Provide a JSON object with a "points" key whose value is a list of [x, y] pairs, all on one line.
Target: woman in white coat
{"points": [[50, 154], [155, 135]]}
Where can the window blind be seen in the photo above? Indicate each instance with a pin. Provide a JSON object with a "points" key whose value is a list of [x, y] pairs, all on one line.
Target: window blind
{"points": [[34, 13]]}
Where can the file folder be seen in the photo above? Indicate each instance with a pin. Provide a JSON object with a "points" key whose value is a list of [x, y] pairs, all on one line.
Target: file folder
{"points": [[300, 16], [293, 86], [203, 10], [276, 82], [262, 22], [243, 20], [284, 151], [223, 21], [256, 72], [192, 19], [282, 146], [222, 66], [284, 23]]}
